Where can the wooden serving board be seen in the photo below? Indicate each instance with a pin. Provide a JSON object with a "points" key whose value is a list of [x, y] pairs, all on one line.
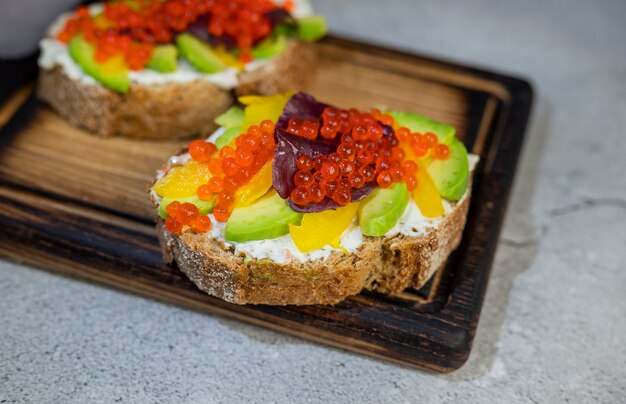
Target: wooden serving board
{"points": [[77, 204]]}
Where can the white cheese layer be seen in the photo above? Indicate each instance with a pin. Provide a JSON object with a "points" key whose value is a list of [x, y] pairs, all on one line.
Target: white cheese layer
{"points": [[54, 53], [282, 249]]}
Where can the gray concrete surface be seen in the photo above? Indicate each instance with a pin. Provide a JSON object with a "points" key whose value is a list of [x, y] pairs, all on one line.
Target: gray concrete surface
{"points": [[553, 327]]}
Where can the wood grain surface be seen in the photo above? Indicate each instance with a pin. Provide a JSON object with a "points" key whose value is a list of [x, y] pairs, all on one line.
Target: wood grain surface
{"points": [[78, 204]]}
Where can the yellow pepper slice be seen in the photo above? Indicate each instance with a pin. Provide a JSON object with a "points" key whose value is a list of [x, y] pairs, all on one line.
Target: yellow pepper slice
{"points": [[115, 64], [183, 181], [323, 228], [426, 195], [256, 188], [260, 108], [101, 22], [410, 155], [227, 58]]}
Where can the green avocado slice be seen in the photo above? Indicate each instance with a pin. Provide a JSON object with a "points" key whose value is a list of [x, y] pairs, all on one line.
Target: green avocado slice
{"points": [[270, 46], [231, 121], [268, 218], [451, 176], [199, 54], [380, 211], [311, 28], [227, 137], [163, 59], [110, 75], [231, 118]]}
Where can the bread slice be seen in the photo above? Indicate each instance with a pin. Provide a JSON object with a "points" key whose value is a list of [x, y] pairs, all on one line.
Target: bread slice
{"points": [[290, 70], [172, 110], [383, 264]]}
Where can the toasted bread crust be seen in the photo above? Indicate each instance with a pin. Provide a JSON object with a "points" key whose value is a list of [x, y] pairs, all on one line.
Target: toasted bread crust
{"points": [[383, 264], [164, 111], [172, 110]]}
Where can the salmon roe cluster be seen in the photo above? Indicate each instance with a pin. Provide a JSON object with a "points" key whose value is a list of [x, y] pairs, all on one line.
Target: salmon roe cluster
{"points": [[186, 215], [245, 21], [108, 44], [132, 29], [368, 152], [233, 167], [421, 144]]}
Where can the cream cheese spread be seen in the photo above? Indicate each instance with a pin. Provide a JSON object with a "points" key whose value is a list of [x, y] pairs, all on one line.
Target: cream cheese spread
{"points": [[282, 249]]}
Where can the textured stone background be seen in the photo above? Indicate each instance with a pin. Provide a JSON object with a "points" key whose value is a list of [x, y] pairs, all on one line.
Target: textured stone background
{"points": [[553, 327]]}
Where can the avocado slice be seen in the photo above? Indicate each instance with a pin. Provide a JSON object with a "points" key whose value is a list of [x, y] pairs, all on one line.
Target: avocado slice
{"points": [[112, 74], [451, 175], [204, 207], [288, 29], [227, 137], [311, 28], [423, 124], [163, 59], [199, 54], [381, 210], [231, 118], [270, 46], [268, 218]]}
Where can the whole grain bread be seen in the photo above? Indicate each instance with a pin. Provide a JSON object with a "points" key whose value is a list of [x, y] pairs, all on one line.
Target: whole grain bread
{"points": [[383, 264], [173, 110]]}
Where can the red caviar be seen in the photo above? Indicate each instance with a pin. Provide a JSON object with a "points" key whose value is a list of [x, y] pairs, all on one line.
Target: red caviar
{"points": [[173, 226], [442, 151], [201, 151], [171, 208], [221, 214], [422, 144], [186, 213], [202, 224], [233, 166], [368, 151], [182, 217], [134, 29], [204, 192]]}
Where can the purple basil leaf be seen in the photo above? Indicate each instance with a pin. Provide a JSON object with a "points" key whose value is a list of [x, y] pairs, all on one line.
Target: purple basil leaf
{"points": [[387, 130], [277, 16], [359, 194], [288, 148], [301, 105], [223, 40], [325, 204], [199, 28]]}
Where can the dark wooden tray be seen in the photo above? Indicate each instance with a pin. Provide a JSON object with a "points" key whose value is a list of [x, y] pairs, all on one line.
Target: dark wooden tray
{"points": [[78, 205]]}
